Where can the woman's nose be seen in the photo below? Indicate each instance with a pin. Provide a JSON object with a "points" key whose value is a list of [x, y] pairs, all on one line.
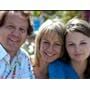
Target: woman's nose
{"points": [[50, 49]]}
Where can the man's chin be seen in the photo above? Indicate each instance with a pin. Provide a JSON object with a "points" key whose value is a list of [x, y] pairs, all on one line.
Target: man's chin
{"points": [[13, 49]]}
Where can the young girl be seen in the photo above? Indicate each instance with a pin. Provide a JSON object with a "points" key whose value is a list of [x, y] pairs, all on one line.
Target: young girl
{"points": [[77, 47]]}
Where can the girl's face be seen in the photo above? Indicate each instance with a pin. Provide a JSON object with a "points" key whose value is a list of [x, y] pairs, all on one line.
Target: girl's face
{"points": [[78, 46], [50, 47]]}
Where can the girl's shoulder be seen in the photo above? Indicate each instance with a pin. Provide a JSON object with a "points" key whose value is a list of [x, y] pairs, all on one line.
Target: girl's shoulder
{"points": [[60, 69]]}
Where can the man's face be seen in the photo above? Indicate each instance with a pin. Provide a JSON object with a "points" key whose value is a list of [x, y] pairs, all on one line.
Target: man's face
{"points": [[14, 32]]}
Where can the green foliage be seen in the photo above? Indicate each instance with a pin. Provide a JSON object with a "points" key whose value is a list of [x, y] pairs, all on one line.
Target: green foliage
{"points": [[36, 13], [64, 15]]}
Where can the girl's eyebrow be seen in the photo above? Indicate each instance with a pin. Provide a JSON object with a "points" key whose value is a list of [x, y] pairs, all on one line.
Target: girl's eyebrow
{"points": [[69, 41], [83, 40]]}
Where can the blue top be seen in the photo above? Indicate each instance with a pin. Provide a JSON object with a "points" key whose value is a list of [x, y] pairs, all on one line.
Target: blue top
{"points": [[61, 70]]}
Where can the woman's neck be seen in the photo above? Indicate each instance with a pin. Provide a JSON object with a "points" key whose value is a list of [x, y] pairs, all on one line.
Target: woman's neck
{"points": [[41, 70], [79, 67]]}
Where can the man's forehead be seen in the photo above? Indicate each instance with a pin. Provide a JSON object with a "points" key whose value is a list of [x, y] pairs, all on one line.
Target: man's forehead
{"points": [[12, 15]]}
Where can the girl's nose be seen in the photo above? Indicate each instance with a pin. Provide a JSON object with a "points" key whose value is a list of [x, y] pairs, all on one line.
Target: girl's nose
{"points": [[77, 48]]}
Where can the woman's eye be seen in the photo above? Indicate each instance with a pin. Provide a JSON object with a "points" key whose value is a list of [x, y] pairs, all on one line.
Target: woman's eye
{"points": [[46, 42], [57, 44]]}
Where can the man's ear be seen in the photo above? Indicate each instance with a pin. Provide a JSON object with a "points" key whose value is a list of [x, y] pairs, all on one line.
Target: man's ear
{"points": [[2, 14], [28, 37]]}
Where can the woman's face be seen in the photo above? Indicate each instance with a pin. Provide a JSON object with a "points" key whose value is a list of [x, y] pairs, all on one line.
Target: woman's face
{"points": [[50, 47], [78, 46]]}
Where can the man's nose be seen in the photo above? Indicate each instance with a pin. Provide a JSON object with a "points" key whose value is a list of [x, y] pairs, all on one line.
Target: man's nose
{"points": [[16, 32]]}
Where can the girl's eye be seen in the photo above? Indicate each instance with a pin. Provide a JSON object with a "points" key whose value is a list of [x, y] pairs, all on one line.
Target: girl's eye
{"points": [[71, 44], [83, 43]]}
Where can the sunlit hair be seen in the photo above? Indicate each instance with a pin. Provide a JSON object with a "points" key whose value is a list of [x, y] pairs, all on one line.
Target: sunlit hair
{"points": [[47, 28], [81, 26], [78, 25], [3, 15]]}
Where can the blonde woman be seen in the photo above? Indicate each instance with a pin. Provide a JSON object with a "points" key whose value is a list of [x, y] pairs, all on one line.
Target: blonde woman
{"points": [[48, 46]]}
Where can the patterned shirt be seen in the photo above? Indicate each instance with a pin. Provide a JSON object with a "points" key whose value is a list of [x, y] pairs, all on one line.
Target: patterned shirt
{"points": [[19, 68]]}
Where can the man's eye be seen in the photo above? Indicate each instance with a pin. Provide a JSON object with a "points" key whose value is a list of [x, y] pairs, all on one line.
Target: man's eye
{"points": [[10, 27], [22, 30]]}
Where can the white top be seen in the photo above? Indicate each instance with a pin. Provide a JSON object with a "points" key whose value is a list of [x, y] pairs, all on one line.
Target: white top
{"points": [[19, 68]]}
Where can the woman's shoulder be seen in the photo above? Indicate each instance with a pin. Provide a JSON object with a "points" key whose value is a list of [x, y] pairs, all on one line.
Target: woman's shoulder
{"points": [[58, 62], [56, 69], [56, 65]]}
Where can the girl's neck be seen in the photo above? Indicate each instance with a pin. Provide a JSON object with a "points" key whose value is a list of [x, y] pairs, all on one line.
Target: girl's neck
{"points": [[79, 67]]}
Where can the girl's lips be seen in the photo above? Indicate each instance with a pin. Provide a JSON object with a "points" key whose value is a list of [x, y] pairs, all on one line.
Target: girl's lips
{"points": [[78, 54]]}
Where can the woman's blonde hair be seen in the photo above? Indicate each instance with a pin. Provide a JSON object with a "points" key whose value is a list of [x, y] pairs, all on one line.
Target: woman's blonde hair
{"points": [[54, 25]]}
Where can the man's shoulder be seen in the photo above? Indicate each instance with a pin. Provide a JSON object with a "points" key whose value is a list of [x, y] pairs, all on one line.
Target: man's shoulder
{"points": [[23, 52]]}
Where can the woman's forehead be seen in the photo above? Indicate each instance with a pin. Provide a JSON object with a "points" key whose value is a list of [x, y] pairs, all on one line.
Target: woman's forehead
{"points": [[50, 35]]}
